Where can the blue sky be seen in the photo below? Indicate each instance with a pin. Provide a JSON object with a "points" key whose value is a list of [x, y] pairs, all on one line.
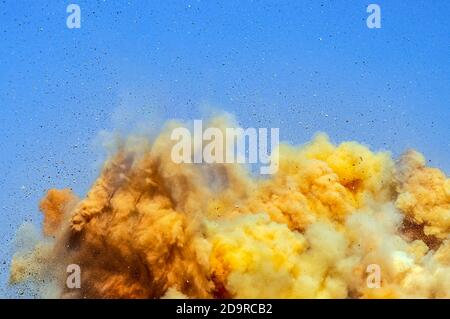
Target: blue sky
{"points": [[302, 66]]}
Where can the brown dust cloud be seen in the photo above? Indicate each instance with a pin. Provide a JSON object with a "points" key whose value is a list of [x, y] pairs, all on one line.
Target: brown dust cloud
{"points": [[152, 228]]}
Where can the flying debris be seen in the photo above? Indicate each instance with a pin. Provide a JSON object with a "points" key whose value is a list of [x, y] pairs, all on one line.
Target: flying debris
{"points": [[152, 228]]}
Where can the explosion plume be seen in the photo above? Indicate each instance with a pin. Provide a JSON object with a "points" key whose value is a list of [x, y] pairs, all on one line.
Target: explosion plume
{"points": [[151, 228]]}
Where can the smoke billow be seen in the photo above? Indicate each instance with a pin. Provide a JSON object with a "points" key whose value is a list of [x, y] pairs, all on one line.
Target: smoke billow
{"points": [[151, 228]]}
